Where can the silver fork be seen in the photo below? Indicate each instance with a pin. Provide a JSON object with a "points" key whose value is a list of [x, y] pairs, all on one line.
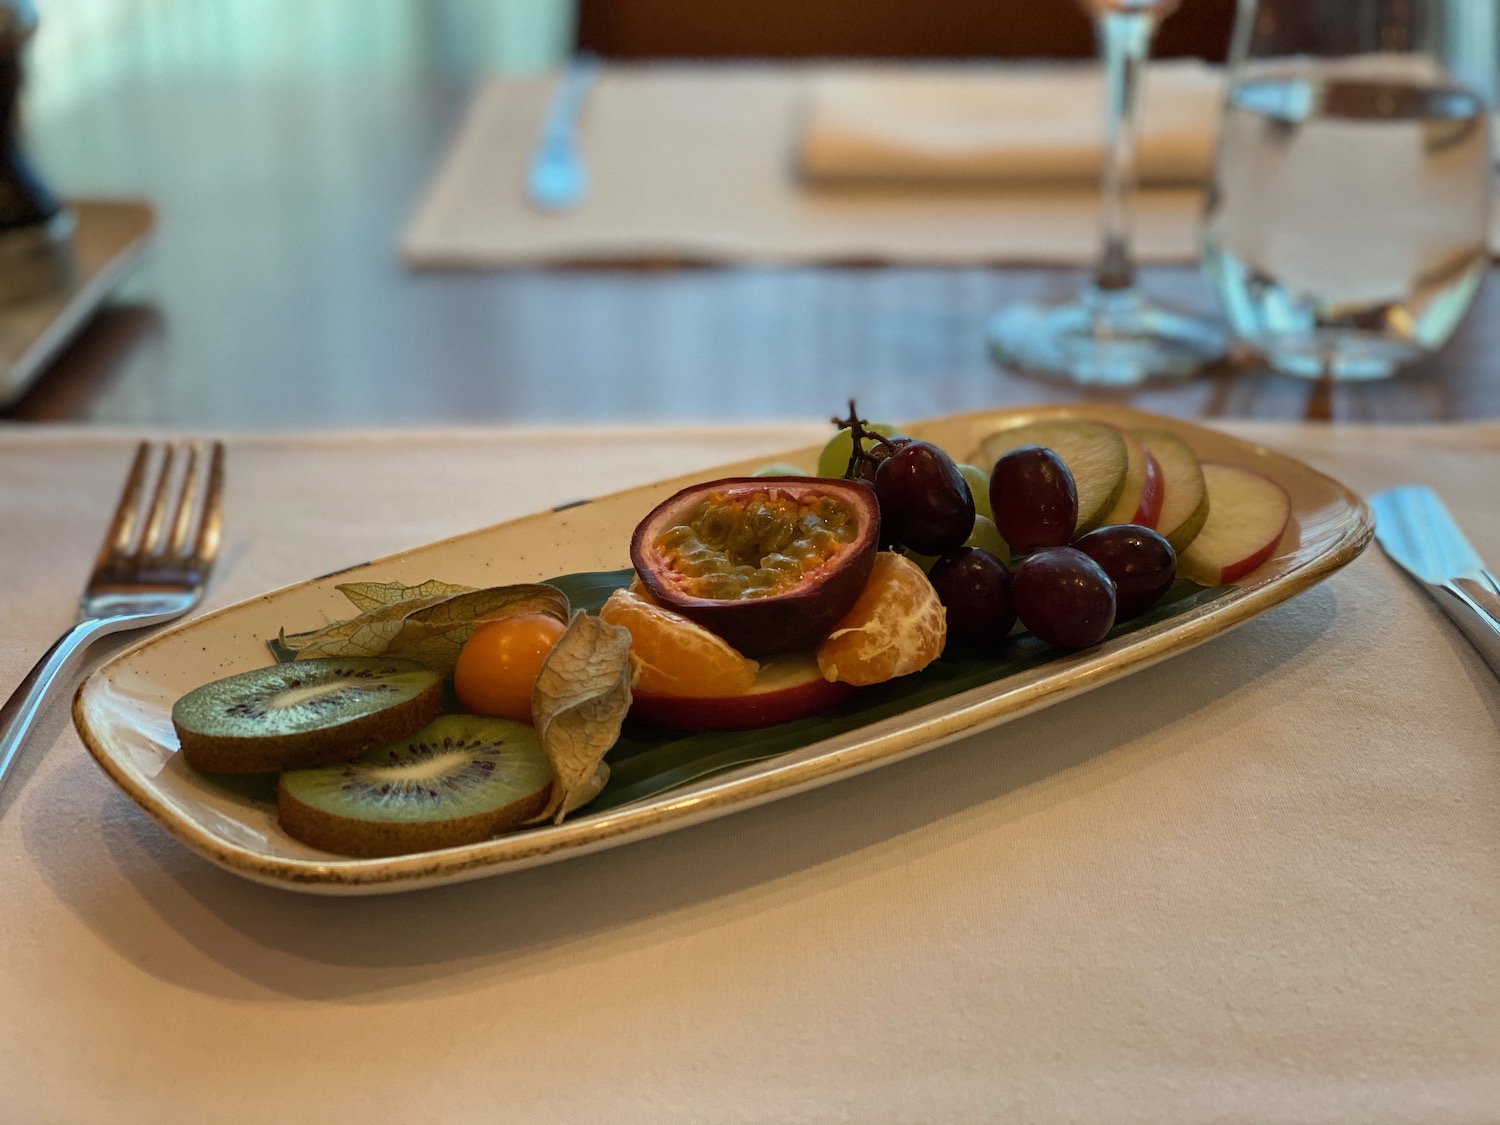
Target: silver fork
{"points": [[148, 571]]}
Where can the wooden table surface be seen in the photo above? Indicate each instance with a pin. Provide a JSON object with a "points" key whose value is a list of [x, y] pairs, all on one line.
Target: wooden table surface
{"points": [[274, 297]]}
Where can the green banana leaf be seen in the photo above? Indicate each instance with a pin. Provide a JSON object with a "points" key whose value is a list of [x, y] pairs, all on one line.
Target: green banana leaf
{"points": [[649, 760]]}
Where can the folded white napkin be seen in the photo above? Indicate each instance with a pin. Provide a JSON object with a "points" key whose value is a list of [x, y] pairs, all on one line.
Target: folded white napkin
{"points": [[1001, 124]]}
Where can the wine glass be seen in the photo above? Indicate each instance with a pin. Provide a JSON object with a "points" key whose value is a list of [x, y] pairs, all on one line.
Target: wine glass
{"points": [[1111, 334]]}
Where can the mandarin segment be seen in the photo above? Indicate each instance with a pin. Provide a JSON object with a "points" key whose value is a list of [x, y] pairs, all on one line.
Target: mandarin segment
{"points": [[896, 626], [675, 656]]}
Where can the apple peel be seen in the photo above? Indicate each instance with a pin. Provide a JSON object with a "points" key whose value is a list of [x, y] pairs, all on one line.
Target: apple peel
{"points": [[1248, 514], [1184, 498], [787, 686]]}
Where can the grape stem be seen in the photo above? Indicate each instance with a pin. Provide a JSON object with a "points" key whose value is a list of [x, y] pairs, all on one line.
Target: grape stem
{"points": [[863, 462]]}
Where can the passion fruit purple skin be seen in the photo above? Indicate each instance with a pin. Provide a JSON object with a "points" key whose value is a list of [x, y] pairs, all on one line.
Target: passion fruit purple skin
{"points": [[797, 616]]}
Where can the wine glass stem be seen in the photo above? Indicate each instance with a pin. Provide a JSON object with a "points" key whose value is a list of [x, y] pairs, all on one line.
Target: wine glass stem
{"points": [[1124, 39]]}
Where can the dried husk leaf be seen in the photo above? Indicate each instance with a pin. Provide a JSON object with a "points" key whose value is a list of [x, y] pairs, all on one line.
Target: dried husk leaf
{"points": [[369, 595], [429, 628], [579, 700]]}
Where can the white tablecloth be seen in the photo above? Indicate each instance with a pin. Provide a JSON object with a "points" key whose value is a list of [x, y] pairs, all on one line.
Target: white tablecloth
{"points": [[1257, 883]]}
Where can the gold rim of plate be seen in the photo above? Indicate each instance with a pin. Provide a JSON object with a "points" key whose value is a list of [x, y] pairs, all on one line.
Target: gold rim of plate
{"points": [[123, 710]]}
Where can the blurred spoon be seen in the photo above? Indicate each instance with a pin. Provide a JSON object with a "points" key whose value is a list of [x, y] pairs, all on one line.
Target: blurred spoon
{"points": [[556, 178]]}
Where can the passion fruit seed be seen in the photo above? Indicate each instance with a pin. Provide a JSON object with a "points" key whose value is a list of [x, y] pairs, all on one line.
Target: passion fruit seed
{"points": [[748, 546], [767, 563]]}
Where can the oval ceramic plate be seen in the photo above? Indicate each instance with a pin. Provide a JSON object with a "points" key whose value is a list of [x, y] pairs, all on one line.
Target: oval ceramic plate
{"points": [[123, 711]]}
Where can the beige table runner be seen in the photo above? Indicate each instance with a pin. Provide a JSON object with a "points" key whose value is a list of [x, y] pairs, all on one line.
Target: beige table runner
{"points": [[1257, 883], [697, 163], [694, 163]]}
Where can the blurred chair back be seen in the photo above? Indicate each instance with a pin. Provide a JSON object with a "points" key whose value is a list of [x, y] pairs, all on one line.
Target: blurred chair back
{"points": [[718, 29]]}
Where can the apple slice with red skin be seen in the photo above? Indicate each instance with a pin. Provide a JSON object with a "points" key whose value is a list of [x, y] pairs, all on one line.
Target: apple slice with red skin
{"points": [[787, 686], [1153, 491], [1127, 507], [1247, 515], [1184, 500]]}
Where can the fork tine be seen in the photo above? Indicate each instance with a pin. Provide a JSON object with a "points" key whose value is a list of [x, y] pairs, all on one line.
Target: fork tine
{"points": [[187, 502], [122, 523], [207, 546], [156, 516]]}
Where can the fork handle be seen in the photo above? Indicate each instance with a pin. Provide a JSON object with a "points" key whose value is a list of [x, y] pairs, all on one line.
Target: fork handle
{"points": [[19, 712]]}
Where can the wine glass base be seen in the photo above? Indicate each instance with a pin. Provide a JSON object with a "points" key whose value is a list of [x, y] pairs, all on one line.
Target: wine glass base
{"points": [[1105, 339], [1338, 354]]}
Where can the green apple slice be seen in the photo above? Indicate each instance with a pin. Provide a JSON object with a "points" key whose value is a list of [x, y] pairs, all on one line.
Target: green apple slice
{"points": [[1095, 454], [1126, 507], [1184, 504]]}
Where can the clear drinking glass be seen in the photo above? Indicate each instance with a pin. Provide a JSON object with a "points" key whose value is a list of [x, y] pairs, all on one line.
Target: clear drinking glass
{"points": [[1111, 334], [1348, 219]]}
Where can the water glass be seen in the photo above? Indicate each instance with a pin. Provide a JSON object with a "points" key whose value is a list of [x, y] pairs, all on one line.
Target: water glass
{"points": [[1347, 221]]}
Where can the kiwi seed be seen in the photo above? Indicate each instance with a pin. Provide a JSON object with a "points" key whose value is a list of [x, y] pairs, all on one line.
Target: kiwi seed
{"points": [[458, 780], [304, 713]]}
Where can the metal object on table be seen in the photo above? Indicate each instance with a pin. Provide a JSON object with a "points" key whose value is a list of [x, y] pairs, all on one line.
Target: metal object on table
{"points": [[58, 260], [1416, 531], [36, 232], [151, 568], [556, 177], [108, 238]]}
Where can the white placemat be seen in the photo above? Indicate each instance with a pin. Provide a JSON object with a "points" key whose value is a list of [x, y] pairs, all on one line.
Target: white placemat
{"points": [[1256, 883], [698, 163]]}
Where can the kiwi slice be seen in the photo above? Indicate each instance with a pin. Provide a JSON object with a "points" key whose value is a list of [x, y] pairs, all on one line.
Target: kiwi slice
{"points": [[458, 780], [305, 713]]}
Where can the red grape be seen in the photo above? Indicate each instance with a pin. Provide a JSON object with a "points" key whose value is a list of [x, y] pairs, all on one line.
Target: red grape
{"points": [[1064, 597], [1140, 563], [925, 503], [1034, 499], [974, 586]]}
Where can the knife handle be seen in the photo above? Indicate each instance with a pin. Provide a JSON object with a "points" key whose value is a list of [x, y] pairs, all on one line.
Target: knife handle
{"points": [[1476, 610]]}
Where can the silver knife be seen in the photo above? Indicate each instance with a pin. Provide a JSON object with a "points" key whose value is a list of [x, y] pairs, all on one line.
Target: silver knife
{"points": [[556, 178], [1416, 531]]}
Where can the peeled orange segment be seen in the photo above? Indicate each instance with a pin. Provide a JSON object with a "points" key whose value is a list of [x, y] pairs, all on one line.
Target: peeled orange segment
{"points": [[1096, 455], [674, 656], [896, 626]]}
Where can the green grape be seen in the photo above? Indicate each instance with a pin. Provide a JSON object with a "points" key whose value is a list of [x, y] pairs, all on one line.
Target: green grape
{"points": [[979, 484], [779, 469], [835, 456], [987, 536]]}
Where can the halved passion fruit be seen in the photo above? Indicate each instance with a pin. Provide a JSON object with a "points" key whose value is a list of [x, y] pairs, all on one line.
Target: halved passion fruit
{"points": [[767, 563]]}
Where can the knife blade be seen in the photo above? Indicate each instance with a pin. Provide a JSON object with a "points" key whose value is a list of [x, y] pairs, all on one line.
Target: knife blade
{"points": [[556, 176], [1416, 531]]}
